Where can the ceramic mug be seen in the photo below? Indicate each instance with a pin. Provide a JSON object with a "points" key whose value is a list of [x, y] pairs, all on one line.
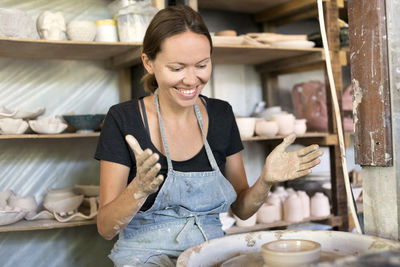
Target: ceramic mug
{"points": [[320, 205]]}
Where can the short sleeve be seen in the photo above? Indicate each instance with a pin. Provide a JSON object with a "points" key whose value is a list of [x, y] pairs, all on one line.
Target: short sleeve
{"points": [[112, 145]]}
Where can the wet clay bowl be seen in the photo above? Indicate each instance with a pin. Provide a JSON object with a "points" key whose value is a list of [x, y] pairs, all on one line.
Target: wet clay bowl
{"points": [[290, 252], [84, 123]]}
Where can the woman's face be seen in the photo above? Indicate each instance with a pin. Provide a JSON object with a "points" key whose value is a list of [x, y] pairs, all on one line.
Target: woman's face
{"points": [[182, 67]]}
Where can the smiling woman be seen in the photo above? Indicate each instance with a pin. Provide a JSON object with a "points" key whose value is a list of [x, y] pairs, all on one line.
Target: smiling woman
{"points": [[170, 162]]}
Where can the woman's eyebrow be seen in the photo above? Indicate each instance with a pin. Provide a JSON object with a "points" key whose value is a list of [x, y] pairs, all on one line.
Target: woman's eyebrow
{"points": [[180, 63]]}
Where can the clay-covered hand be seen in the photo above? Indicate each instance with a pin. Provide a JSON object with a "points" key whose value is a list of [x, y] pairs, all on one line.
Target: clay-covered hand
{"points": [[282, 166], [147, 167]]}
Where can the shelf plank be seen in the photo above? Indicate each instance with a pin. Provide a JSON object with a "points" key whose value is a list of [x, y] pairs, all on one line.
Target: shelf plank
{"points": [[24, 225], [49, 136], [248, 6], [334, 221], [325, 139], [73, 50]]}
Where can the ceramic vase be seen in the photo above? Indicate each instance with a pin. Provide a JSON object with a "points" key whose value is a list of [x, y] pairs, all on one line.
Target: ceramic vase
{"points": [[305, 201], [292, 209], [285, 123], [320, 205], [267, 213], [274, 199], [246, 223], [266, 128], [300, 127], [246, 126]]}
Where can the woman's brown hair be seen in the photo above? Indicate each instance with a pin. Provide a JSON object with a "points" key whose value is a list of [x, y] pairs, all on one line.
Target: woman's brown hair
{"points": [[168, 22]]}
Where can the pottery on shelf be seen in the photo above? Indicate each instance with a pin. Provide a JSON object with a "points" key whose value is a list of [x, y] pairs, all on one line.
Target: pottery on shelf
{"points": [[266, 128], [47, 126], [13, 126], [4, 196], [320, 205], [281, 192], [16, 23], [81, 30], [246, 126], [24, 114], [84, 123], [7, 115], [275, 200], [10, 216], [65, 206], [79, 215], [51, 26], [268, 213], [88, 190], [246, 223], [300, 126], [285, 123], [268, 112], [292, 209], [27, 204], [305, 203], [43, 215]]}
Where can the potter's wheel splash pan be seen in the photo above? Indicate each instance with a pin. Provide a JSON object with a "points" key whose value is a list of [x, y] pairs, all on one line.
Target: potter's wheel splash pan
{"points": [[342, 244]]}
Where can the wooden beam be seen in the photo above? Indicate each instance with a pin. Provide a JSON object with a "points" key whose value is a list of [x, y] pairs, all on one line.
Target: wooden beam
{"points": [[285, 10], [307, 14], [293, 62], [370, 80], [125, 87], [127, 59]]}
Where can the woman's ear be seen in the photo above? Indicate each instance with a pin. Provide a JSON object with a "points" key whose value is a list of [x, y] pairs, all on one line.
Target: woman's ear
{"points": [[147, 63]]}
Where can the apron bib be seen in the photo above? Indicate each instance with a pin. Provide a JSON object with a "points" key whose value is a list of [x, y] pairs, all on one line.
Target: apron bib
{"points": [[185, 212]]}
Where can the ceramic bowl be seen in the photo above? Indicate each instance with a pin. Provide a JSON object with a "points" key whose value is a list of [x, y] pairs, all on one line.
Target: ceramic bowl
{"points": [[47, 126], [290, 252], [64, 206], [80, 30], [300, 126], [11, 216], [85, 122], [28, 204], [59, 194], [4, 196], [285, 123], [88, 190], [246, 126], [13, 126], [25, 114], [266, 128], [246, 223]]}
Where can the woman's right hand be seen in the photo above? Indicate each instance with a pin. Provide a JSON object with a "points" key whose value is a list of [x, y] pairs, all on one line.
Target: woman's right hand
{"points": [[147, 167]]}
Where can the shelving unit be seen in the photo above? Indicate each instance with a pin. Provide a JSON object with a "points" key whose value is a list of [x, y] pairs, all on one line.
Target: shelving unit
{"points": [[24, 225], [269, 61]]}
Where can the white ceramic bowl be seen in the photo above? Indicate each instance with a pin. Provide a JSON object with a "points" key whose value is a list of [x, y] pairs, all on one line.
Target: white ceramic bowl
{"points": [[25, 114], [13, 126], [28, 204], [47, 126], [59, 194], [246, 126], [246, 223], [291, 252], [266, 128], [64, 206], [80, 30], [11, 216]]}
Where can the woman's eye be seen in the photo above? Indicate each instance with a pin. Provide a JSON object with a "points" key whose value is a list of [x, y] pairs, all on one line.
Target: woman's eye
{"points": [[202, 66], [176, 69]]}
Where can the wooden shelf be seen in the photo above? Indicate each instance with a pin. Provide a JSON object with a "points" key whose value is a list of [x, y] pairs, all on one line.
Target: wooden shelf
{"points": [[249, 6], [73, 50], [334, 221], [49, 136], [24, 225], [118, 55]]}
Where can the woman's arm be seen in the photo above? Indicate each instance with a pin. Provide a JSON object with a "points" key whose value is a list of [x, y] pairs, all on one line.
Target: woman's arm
{"points": [[279, 166], [118, 202]]}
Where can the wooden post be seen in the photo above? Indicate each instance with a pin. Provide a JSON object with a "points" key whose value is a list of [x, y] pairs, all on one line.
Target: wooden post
{"points": [[339, 200]]}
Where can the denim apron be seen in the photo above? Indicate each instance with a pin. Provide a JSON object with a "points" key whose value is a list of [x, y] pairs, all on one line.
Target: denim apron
{"points": [[185, 213]]}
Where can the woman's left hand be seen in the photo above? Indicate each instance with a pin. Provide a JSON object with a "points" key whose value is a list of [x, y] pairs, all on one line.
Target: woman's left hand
{"points": [[282, 166]]}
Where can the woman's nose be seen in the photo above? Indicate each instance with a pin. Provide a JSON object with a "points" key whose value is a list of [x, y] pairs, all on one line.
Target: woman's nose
{"points": [[190, 77]]}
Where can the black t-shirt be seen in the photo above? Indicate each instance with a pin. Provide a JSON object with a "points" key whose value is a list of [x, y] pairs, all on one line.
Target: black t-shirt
{"points": [[125, 118]]}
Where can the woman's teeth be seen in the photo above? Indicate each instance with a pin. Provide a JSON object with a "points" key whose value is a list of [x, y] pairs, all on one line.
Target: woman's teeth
{"points": [[187, 92]]}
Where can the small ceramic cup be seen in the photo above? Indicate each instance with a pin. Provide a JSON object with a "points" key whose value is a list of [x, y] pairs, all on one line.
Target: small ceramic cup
{"points": [[320, 205], [292, 209], [300, 127], [246, 126], [274, 199], [268, 213], [266, 128], [305, 202], [285, 123]]}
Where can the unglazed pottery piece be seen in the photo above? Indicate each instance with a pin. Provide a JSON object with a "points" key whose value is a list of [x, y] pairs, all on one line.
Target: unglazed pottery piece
{"points": [[11, 216], [300, 127], [78, 215], [47, 126], [305, 203], [268, 213], [28, 204], [24, 114], [85, 123], [246, 126], [292, 209], [246, 223], [266, 128], [43, 215], [13, 126], [88, 190], [59, 193], [51, 26], [281, 192], [80, 30], [291, 252], [16, 23], [64, 206], [7, 115], [268, 112], [274, 199], [4, 196], [285, 123], [320, 205]]}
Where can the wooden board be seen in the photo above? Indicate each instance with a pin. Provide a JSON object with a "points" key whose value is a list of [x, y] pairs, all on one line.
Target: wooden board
{"points": [[370, 80], [248, 6], [49, 136], [24, 225]]}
